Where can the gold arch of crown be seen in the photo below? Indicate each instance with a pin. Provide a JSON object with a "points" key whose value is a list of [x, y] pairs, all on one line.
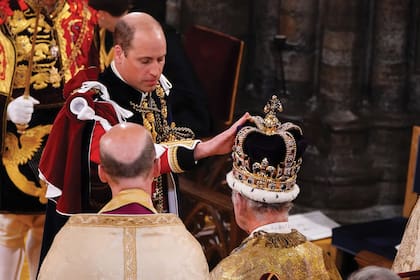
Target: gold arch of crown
{"points": [[262, 175]]}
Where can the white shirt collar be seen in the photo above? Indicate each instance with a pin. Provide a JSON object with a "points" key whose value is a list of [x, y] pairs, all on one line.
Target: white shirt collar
{"points": [[114, 69], [280, 227]]}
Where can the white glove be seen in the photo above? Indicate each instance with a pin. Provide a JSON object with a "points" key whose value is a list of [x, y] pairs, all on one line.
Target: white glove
{"points": [[20, 110]]}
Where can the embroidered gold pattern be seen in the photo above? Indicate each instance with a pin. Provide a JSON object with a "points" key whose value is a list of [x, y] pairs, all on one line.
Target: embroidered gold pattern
{"points": [[70, 64], [124, 221], [18, 151], [408, 255], [155, 120], [275, 240], [289, 256], [130, 257], [47, 56], [22, 27], [157, 196], [20, 75]]}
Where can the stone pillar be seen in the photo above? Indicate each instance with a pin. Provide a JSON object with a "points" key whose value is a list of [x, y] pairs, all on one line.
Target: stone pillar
{"points": [[414, 62], [389, 122], [299, 24], [265, 16], [389, 55], [336, 177]]}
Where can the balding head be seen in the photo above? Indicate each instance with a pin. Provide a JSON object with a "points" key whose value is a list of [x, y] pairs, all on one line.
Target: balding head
{"points": [[132, 23], [127, 151]]}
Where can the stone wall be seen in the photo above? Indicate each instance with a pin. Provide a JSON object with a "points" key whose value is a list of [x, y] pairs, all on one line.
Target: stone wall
{"points": [[352, 81]]}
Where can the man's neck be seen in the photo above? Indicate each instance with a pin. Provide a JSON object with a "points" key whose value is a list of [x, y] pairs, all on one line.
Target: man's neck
{"points": [[131, 183], [261, 220], [276, 227]]}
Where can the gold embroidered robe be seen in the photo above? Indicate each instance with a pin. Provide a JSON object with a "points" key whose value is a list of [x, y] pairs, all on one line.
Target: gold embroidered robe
{"points": [[154, 246], [287, 256]]}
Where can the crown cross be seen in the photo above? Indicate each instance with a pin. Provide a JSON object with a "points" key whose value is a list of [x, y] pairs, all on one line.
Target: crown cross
{"points": [[270, 123], [273, 105]]}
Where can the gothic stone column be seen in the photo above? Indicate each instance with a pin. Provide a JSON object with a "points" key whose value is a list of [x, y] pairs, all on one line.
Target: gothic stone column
{"points": [[389, 122], [336, 176]]}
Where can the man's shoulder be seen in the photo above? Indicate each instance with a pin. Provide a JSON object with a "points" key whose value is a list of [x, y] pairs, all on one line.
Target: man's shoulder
{"points": [[114, 84], [84, 75]]}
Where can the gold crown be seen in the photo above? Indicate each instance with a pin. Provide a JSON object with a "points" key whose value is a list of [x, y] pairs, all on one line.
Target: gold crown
{"points": [[263, 175]]}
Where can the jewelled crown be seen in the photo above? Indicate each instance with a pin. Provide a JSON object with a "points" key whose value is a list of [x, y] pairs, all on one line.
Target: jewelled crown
{"points": [[267, 157]]}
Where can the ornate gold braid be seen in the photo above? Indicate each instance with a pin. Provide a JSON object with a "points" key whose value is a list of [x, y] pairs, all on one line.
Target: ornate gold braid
{"points": [[275, 240], [157, 197], [76, 49], [155, 121]]}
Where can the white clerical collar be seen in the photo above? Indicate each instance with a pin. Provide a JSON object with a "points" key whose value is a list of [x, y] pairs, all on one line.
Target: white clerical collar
{"points": [[114, 69], [280, 227]]}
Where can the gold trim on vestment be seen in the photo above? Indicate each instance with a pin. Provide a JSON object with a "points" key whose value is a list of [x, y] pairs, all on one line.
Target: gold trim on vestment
{"points": [[408, 255], [109, 220], [130, 256]]}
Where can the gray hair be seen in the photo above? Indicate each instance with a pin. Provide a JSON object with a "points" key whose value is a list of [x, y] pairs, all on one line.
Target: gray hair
{"points": [[261, 207], [374, 273]]}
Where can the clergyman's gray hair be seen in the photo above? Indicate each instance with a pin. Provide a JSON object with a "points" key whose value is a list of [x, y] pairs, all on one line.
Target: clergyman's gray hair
{"points": [[374, 273]]}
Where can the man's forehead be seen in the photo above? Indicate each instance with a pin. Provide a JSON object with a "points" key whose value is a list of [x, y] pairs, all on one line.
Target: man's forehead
{"points": [[149, 34], [148, 47], [146, 55]]}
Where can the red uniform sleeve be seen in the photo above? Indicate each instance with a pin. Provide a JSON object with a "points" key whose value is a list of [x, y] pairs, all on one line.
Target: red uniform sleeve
{"points": [[98, 131], [164, 163]]}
